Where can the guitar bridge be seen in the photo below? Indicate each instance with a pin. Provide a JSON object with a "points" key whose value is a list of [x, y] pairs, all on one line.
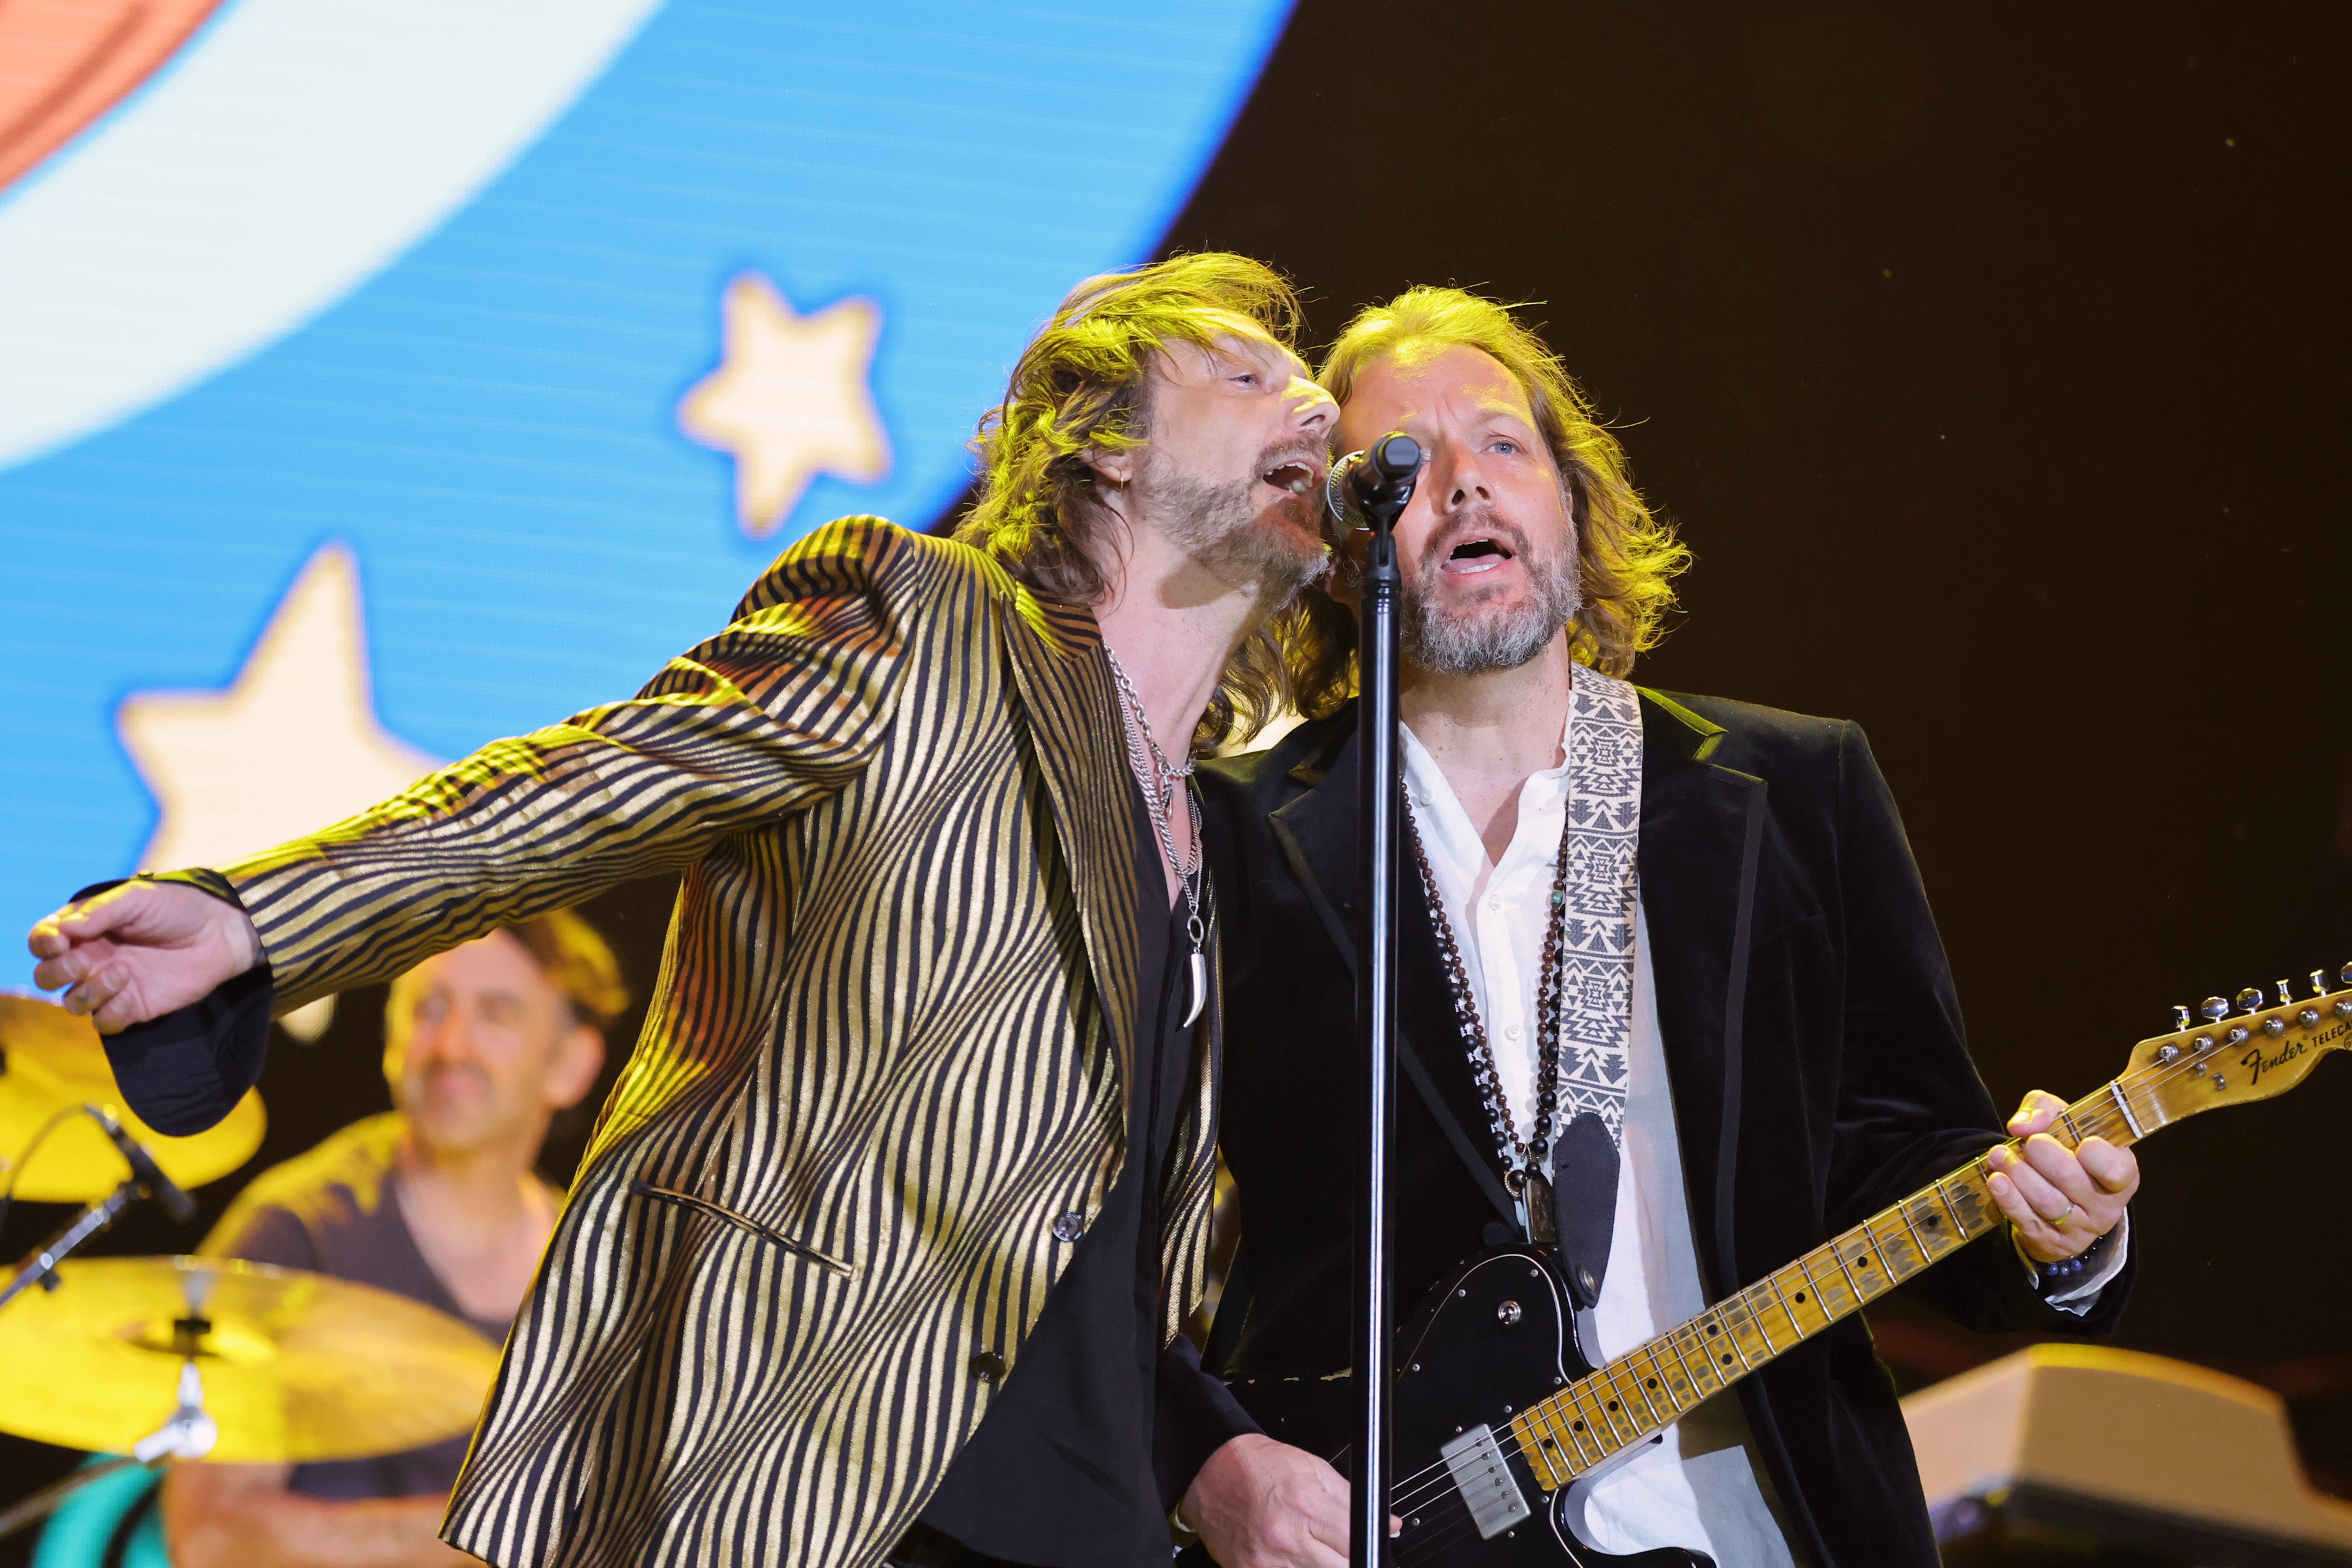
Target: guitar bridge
{"points": [[1484, 1477]]}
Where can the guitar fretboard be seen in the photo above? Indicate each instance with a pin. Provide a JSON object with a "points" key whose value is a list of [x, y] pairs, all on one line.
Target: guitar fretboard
{"points": [[1650, 1388]]}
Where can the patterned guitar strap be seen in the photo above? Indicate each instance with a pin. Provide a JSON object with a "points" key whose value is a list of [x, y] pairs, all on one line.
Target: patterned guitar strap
{"points": [[1596, 970]]}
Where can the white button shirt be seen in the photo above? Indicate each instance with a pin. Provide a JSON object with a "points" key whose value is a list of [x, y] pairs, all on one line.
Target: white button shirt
{"points": [[1703, 1487]]}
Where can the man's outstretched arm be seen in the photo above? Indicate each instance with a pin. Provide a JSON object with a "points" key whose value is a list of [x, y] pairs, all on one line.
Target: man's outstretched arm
{"points": [[782, 707]]}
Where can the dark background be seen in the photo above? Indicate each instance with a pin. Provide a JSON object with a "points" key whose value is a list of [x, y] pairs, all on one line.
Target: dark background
{"points": [[1992, 362]]}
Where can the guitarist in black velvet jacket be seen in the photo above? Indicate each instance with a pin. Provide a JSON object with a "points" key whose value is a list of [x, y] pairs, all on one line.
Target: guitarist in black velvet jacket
{"points": [[1810, 1034]]}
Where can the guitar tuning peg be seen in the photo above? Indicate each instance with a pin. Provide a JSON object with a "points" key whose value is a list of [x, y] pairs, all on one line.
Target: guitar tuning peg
{"points": [[2345, 974], [2286, 993], [2249, 999], [2319, 982], [2181, 1016], [2215, 1008]]}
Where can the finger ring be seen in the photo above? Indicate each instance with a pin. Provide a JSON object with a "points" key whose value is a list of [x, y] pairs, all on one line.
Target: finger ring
{"points": [[2060, 1223]]}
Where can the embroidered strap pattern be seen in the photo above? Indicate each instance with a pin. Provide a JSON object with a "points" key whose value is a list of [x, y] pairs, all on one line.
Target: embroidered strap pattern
{"points": [[1604, 805]]}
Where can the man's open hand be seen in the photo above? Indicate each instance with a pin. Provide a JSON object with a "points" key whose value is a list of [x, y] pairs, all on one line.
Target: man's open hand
{"points": [[2060, 1199], [141, 950], [1258, 1503]]}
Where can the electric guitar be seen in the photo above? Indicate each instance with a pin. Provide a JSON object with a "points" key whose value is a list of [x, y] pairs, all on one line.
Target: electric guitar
{"points": [[1499, 1410]]}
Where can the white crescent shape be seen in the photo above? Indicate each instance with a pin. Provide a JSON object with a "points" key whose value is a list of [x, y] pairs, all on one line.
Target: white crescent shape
{"points": [[293, 150]]}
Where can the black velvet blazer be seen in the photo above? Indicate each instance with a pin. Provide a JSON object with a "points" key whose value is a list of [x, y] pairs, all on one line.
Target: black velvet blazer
{"points": [[1813, 1048]]}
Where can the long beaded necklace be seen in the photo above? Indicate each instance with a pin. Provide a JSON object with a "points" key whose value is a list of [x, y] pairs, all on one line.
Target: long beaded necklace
{"points": [[1526, 1162], [1160, 779]]}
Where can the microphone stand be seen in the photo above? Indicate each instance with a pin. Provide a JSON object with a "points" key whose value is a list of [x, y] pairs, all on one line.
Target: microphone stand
{"points": [[1382, 485], [147, 1180]]}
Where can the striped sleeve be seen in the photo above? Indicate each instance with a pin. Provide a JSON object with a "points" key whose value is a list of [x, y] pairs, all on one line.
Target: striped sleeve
{"points": [[782, 708]]}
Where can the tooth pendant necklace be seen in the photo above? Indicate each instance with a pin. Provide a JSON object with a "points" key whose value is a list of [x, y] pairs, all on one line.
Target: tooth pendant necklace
{"points": [[1160, 779]]}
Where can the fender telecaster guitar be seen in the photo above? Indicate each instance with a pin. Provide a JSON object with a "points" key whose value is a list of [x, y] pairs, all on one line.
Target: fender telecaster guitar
{"points": [[1499, 1411]]}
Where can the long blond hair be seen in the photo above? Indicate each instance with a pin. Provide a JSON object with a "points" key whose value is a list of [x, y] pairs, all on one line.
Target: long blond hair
{"points": [[1627, 556], [1079, 388]]}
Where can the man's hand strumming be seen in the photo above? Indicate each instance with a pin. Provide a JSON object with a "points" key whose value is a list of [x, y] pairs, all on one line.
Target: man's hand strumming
{"points": [[141, 950], [1258, 1503]]}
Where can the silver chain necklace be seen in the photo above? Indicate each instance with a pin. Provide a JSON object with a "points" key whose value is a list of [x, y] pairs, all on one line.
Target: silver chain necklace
{"points": [[1160, 779]]}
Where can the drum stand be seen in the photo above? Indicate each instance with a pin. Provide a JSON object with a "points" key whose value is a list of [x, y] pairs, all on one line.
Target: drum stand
{"points": [[189, 1434]]}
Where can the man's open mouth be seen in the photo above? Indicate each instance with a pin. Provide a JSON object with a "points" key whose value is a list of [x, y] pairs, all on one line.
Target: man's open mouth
{"points": [[1298, 478], [1476, 554]]}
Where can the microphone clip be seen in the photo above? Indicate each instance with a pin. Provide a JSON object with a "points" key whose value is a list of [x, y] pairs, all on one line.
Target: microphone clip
{"points": [[1370, 488]]}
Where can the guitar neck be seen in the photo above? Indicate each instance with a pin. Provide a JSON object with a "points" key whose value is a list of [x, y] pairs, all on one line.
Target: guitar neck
{"points": [[1648, 1389]]}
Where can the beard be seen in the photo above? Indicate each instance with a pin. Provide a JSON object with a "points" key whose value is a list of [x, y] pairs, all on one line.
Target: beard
{"points": [[1220, 524], [1474, 638]]}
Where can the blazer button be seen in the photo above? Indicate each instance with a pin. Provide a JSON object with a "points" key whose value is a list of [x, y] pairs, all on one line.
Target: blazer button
{"points": [[988, 1366], [1069, 1226]]}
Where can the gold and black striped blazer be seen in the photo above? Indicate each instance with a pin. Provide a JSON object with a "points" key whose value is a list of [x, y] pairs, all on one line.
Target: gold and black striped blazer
{"points": [[887, 1050]]}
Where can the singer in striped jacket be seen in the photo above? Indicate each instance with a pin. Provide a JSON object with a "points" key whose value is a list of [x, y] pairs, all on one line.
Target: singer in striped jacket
{"points": [[881, 1249]]}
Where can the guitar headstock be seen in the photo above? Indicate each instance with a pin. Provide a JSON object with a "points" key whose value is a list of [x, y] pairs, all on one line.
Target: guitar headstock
{"points": [[2243, 1051]]}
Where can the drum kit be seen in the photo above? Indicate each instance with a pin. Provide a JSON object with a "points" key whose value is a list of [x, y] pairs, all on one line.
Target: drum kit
{"points": [[157, 1359]]}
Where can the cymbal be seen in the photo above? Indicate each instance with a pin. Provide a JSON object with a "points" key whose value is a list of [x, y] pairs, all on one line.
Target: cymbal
{"points": [[50, 1060], [297, 1366]]}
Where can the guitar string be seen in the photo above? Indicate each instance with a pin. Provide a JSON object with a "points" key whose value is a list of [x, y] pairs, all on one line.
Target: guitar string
{"points": [[2138, 1084]]}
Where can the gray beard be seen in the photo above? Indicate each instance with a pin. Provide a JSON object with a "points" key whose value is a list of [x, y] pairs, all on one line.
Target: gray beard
{"points": [[1217, 524], [1472, 644]]}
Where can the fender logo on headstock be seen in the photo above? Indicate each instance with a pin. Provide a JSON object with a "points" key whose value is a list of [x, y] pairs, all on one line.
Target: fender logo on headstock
{"points": [[2257, 1063]]}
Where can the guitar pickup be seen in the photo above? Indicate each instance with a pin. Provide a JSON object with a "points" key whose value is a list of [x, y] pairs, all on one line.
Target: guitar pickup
{"points": [[1484, 1477]]}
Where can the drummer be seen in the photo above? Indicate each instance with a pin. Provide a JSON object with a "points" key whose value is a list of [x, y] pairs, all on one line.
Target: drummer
{"points": [[438, 1200]]}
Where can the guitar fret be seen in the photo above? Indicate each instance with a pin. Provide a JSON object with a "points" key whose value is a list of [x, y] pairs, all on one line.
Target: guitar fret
{"points": [[1641, 1387], [1755, 1321], [1794, 1326], [1674, 1394], [1871, 1245], [1918, 1258], [1574, 1435], [1675, 1342], [1732, 1335], [1852, 1289], [2067, 1118], [1588, 1407], [1610, 1415], [1541, 1426], [1813, 1286], [1958, 1225], [1918, 1242]]}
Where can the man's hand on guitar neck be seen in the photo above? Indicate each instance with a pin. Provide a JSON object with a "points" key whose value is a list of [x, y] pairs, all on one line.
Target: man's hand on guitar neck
{"points": [[1258, 1503], [2060, 1200]]}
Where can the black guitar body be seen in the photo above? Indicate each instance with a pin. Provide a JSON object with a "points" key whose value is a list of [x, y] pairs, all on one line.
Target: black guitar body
{"points": [[1492, 1340]]}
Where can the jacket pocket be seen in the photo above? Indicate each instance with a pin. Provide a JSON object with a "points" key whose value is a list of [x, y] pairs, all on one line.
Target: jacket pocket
{"points": [[693, 1205]]}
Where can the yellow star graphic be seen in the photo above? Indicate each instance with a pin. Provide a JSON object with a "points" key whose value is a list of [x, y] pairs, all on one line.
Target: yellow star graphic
{"points": [[291, 747], [790, 399]]}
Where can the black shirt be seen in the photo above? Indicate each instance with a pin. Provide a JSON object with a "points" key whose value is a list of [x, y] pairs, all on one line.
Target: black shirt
{"points": [[336, 1210], [1060, 1472]]}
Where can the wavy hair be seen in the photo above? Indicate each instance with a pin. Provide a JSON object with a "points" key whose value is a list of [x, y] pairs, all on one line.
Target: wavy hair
{"points": [[1627, 557], [1080, 387]]}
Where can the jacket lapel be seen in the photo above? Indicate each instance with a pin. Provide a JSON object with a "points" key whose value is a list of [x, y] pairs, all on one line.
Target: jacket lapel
{"points": [[1317, 833], [1701, 835], [1075, 733]]}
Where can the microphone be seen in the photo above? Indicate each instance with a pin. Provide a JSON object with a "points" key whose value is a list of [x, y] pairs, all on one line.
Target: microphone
{"points": [[1383, 473], [145, 1171]]}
